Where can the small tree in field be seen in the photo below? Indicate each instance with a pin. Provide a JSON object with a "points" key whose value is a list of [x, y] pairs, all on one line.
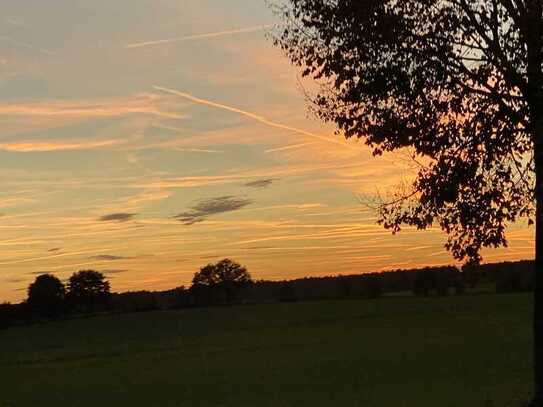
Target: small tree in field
{"points": [[224, 278], [458, 84], [88, 289], [46, 295]]}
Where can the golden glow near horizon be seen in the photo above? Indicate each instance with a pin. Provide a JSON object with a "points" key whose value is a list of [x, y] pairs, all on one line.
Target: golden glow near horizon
{"points": [[145, 139]]}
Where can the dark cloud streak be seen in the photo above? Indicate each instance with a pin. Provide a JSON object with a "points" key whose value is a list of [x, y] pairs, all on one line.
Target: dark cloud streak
{"points": [[212, 206], [117, 217], [261, 183]]}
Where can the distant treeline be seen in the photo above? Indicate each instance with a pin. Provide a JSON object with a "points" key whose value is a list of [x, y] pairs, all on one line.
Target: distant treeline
{"points": [[228, 283]]}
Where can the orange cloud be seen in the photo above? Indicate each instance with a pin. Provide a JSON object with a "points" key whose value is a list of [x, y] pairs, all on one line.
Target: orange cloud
{"points": [[56, 145], [15, 201], [142, 104]]}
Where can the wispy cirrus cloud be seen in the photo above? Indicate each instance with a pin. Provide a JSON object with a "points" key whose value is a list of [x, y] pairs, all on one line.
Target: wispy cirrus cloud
{"points": [[299, 207], [50, 257], [113, 271], [136, 202], [197, 150], [15, 201], [200, 36], [26, 45], [108, 257], [139, 104], [42, 146], [38, 273], [117, 217], [246, 176], [14, 280], [212, 206]]}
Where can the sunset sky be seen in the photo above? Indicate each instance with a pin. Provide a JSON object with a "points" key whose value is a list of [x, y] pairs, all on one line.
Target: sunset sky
{"points": [[145, 138]]}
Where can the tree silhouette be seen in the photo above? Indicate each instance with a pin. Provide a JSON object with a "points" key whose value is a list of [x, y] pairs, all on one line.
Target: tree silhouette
{"points": [[88, 289], [456, 83], [287, 293], [223, 279], [46, 295]]}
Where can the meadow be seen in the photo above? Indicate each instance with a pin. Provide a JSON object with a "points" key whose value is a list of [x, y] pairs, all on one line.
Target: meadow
{"points": [[472, 350]]}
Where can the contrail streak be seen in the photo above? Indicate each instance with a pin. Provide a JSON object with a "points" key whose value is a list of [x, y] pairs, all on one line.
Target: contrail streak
{"points": [[250, 115], [26, 45], [290, 147], [199, 36]]}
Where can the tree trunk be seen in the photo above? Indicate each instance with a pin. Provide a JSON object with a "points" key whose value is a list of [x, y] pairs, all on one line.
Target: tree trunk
{"points": [[534, 42], [537, 120], [538, 280]]}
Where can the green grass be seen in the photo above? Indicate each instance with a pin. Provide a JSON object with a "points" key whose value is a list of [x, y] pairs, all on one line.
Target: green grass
{"points": [[467, 351]]}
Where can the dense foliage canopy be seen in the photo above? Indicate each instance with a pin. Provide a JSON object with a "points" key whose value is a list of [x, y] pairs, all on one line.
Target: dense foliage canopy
{"points": [[87, 285], [224, 272], [449, 81], [46, 293]]}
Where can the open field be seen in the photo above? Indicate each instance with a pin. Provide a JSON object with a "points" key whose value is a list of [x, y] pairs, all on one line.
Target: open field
{"points": [[456, 351]]}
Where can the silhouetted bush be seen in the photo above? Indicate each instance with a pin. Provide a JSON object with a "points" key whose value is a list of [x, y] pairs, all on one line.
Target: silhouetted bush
{"points": [[435, 280], [182, 298], [373, 286], [8, 315], [287, 293], [507, 276], [472, 276], [514, 280], [425, 282], [346, 286], [459, 286], [134, 301]]}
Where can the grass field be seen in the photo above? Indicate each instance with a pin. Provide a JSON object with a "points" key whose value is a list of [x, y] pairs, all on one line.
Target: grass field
{"points": [[467, 351]]}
